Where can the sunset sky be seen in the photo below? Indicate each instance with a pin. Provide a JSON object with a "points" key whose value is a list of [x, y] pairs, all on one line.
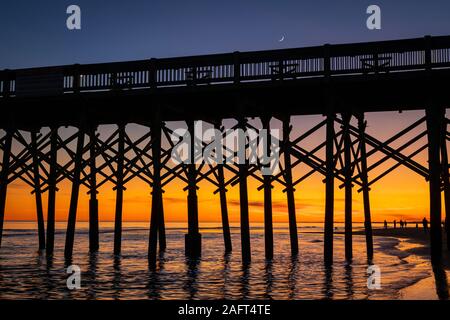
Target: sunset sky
{"points": [[34, 34], [400, 195]]}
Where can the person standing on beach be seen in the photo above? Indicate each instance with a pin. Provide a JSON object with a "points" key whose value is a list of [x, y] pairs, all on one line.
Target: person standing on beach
{"points": [[425, 224], [385, 224], [405, 224], [395, 224], [401, 224]]}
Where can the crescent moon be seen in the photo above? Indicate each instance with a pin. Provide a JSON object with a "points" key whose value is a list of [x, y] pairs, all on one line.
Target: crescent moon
{"points": [[282, 39]]}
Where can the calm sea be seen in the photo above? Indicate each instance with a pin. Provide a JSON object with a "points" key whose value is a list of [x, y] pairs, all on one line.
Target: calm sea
{"points": [[27, 274]]}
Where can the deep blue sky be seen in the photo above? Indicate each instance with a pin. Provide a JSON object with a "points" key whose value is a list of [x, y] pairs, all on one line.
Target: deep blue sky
{"points": [[33, 33]]}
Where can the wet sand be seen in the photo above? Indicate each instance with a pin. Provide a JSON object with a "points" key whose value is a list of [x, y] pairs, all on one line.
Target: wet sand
{"points": [[417, 236], [433, 287]]}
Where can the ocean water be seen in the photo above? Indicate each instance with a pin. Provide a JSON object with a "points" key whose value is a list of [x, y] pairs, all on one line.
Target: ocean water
{"points": [[26, 273]]}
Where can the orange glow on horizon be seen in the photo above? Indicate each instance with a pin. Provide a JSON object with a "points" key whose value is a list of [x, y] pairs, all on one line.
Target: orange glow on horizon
{"points": [[401, 194]]}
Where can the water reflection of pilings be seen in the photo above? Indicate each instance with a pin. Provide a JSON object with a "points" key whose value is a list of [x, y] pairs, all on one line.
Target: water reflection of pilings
{"points": [[292, 277], [245, 286], [226, 274], [440, 277], [268, 279], [50, 284], [192, 271], [43, 276], [154, 286], [117, 266], [92, 275], [68, 294], [328, 282], [349, 280]]}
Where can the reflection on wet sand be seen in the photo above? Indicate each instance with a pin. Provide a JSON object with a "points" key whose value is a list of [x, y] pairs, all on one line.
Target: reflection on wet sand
{"points": [[328, 282], [440, 278], [268, 279], [117, 277], [348, 279], [24, 273], [292, 279], [244, 280], [192, 271]]}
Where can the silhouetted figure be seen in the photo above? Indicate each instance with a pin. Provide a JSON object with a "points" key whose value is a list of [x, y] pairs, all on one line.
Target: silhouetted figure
{"points": [[405, 224], [385, 224], [425, 224], [401, 224], [417, 225], [395, 224]]}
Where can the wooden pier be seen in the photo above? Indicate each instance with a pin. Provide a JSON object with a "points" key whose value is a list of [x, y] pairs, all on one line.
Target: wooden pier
{"points": [[341, 82]]}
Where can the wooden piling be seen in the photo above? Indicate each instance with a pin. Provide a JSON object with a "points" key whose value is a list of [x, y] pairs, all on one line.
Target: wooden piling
{"points": [[193, 238], [51, 205], [223, 206], [244, 214], [329, 191], [70, 233], [224, 210], [156, 193], [119, 191], [162, 225], [268, 225], [37, 192], [446, 180], [365, 187], [93, 201], [433, 119], [4, 178], [293, 235], [348, 187]]}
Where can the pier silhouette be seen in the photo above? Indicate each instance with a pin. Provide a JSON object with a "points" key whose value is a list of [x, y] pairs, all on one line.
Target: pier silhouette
{"points": [[342, 82]]}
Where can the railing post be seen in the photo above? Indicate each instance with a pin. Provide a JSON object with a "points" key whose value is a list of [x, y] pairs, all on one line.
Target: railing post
{"points": [[76, 78], [152, 73], [326, 60], [236, 68], [7, 84], [428, 61]]}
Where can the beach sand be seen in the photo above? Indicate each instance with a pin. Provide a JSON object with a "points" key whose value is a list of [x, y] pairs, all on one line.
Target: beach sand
{"points": [[433, 287]]}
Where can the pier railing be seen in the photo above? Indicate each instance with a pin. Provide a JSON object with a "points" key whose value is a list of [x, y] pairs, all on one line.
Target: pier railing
{"points": [[239, 67]]}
